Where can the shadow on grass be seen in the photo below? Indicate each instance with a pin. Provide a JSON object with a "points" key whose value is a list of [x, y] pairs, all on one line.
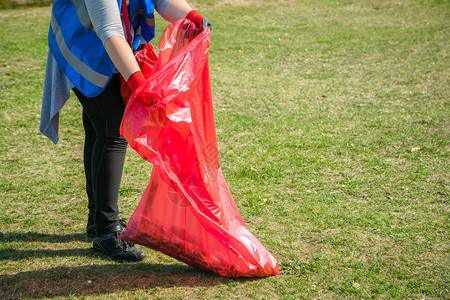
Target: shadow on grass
{"points": [[14, 254], [41, 237], [11, 254], [95, 279], [103, 279]]}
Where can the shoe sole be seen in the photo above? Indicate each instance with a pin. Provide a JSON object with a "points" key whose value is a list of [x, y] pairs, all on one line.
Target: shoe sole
{"points": [[98, 249]]}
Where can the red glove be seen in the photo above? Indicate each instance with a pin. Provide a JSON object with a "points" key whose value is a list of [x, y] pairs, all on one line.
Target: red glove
{"points": [[135, 80], [198, 19]]}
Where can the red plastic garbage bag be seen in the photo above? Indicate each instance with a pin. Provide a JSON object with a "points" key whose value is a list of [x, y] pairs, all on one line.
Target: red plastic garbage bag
{"points": [[187, 210], [146, 59]]}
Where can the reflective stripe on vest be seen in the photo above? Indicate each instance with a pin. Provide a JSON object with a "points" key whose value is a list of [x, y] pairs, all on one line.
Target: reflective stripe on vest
{"points": [[78, 50], [83, 69]]}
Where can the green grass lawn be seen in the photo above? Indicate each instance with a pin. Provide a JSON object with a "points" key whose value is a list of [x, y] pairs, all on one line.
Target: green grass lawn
{"points": [[333, 129]]}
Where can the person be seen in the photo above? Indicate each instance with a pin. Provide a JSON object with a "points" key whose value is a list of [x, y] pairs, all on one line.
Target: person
{"points": [[90, 46]]}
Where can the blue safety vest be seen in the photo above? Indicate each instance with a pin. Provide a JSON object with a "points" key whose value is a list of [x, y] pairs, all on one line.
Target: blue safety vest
{"points": [[78, 50]]}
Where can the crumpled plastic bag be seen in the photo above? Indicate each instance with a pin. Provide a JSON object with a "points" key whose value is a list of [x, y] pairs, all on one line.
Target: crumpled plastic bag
{"points": [[146, 59], [187, 210]]}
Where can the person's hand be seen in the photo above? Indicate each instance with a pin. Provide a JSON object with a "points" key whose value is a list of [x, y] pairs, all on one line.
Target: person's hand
{"points": [[135, 80], [198, 19]]}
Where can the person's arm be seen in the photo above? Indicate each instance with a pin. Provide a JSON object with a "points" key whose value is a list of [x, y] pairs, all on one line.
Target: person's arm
{"points": [[174, 10], [121, 55], [180, 9], [105, 18]]}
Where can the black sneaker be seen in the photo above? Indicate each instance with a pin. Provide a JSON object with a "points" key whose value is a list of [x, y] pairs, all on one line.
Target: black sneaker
{"points": [[91, 230], [118, 250]]}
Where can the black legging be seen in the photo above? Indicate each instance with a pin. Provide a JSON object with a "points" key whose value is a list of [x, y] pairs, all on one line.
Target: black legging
{"points": [[104, 154]]}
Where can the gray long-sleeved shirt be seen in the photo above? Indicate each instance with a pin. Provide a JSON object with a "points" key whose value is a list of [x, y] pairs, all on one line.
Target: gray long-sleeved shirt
{"points": [[105, 16], [106, 20]]}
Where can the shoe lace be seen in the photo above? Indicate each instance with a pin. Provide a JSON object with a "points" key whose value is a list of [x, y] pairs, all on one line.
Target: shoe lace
{"points": [[123, 223], [123, 243]]}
